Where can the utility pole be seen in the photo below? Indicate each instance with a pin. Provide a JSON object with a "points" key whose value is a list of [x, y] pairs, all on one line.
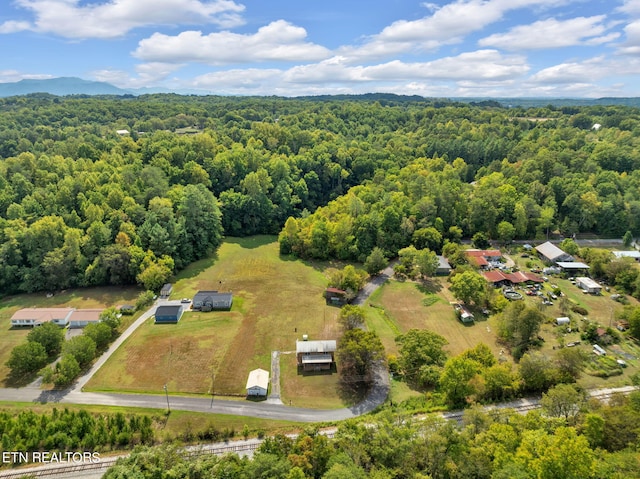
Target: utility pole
{"points": [[213, 382], [166, 392]]}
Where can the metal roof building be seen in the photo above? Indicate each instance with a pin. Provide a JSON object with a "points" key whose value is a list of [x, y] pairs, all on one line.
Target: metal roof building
{"points": [[551, 253], [258, 383], [316, 355]]}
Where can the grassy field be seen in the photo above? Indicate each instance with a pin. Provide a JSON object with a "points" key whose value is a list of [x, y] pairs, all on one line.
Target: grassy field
{"points": [[409, 305], [311, 390], [276, 300], [77, 298]]}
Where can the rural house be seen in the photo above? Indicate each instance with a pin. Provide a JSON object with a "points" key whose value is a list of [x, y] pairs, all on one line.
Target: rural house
{"points": [[499, 278], [38, 316], [82, 317], [168, 314], [212, 300], [550, 253], [258, 383], [482, 258], [316, 355]]}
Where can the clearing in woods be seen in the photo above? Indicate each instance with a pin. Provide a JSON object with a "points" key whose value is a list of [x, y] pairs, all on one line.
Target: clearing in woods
{"points": [[275, 300]]}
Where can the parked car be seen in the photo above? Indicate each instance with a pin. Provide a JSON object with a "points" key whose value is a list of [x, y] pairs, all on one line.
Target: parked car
{"points": [[185, 300]]}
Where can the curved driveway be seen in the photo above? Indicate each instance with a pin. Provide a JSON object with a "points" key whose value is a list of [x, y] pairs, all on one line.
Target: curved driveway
{"points": [[75, 395]]}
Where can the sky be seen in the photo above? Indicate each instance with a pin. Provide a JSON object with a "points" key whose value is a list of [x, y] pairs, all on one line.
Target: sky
{"points": [[463, 48]]}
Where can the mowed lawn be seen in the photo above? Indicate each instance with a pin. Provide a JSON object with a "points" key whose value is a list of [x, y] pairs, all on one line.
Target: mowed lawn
{"points": [[276, 301], [409, 305], [75, 298]]}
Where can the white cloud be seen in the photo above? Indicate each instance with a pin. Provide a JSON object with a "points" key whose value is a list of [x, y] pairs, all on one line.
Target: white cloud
{"points": [[552, 33], [278, 41], [631, 46], [12, 26], [631, 7], [114, 18], [147, 74], [10, 76], [587, 72], [238, 81], [447, 25], [482, 64]]}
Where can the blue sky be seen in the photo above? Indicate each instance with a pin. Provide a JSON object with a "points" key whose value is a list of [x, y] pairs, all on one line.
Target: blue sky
{"points": [[477, 48]]}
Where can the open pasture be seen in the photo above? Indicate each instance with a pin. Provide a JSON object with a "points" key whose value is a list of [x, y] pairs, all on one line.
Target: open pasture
{"points": [[275, 301]]}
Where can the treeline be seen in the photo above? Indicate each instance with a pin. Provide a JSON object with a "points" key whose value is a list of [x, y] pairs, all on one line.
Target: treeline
{"points": [[70, 430], [82, 205], [592, 441]]}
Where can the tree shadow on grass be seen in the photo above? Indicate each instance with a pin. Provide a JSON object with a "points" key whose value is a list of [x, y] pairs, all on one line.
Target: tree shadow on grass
{"points": [[352, 392], [429, 287], [19, 381], [251, 242]]}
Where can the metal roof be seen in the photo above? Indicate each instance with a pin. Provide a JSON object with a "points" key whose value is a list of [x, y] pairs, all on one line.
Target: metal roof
{"points": [[550, 251], [258, 378], [572, 265], [322, 346], [588, 283]]}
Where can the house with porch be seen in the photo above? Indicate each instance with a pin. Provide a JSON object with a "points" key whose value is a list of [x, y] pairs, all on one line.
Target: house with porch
{"points": [[31, 317], [316, 355]]}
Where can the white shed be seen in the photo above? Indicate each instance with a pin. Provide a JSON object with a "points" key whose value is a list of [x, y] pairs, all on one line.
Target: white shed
{"points": [[258, 383], [563, 321], [588, 285]]}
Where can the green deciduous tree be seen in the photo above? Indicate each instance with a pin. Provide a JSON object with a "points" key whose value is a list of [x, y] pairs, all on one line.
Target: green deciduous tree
{"points": [[519, 325], [469, 287], [421, 356], [50, 336], [357, 353], [27, 358], [455, 381], [563, 400], [351, 317], [375, 262], [82, 348]]}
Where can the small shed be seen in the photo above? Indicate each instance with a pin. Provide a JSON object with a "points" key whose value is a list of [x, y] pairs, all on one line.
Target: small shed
{"points": [[335, 296], [588, 285], [444, 268], [168, 314], [563, 321], [464, 314], [258, 383], [599, 350], [165, 292], [212, 300]]}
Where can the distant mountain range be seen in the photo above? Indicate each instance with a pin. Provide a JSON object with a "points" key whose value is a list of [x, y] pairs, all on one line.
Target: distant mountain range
{"points": [[65, 86]]}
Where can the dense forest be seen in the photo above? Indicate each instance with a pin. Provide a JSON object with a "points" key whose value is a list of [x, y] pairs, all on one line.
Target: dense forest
{"points": [[82, 203]]}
